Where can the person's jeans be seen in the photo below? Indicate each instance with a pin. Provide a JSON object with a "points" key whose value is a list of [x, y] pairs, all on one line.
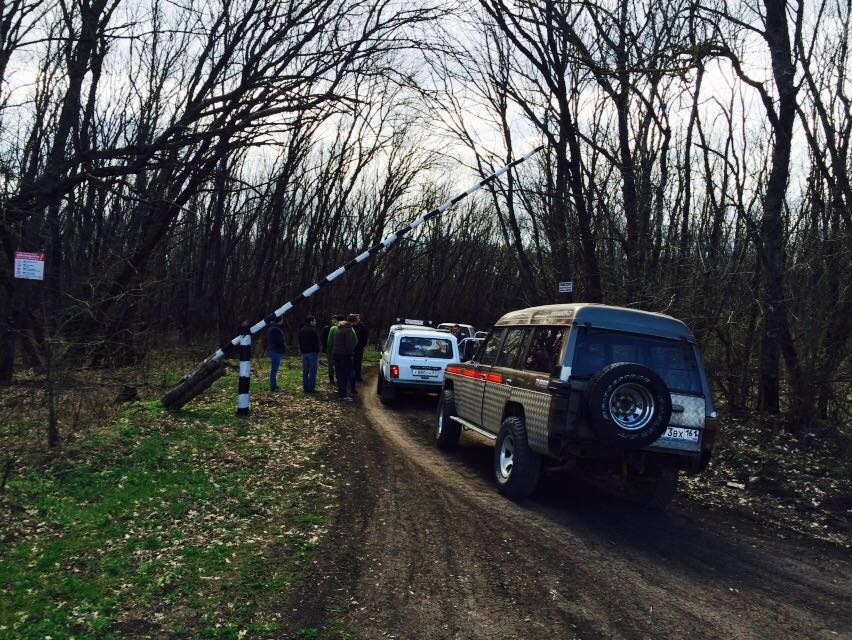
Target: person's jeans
{"points": [[357, 361], [343, 370], [275, 358], [310, 363]]}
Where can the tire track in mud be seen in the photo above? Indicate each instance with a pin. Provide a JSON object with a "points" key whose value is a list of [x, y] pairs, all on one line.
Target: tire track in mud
{"points": [[433, 551]]}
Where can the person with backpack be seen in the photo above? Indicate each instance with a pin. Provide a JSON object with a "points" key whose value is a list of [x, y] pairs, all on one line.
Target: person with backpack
{"points": [[342, 341], [333, 320]]}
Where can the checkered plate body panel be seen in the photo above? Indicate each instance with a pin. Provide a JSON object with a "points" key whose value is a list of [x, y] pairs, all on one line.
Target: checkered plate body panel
{"points": [[693, 412], [493, 403], [537, 411], [692, 417], [468, 393]]}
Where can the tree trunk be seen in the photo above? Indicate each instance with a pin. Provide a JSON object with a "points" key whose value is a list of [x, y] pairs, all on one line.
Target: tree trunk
{"points": [[776, 339]]}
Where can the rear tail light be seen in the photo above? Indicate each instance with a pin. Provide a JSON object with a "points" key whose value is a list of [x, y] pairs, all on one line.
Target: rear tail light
{"points": [[394, 370]]}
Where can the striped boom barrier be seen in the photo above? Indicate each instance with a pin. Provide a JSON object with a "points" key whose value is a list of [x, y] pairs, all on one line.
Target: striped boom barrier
{"points": [[192, 384]]}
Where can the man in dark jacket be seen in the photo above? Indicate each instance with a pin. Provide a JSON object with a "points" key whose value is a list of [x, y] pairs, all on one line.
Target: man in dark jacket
{"points": [[309, 345], [358, 357], [333, 320], [277, 350], [342, 340]]}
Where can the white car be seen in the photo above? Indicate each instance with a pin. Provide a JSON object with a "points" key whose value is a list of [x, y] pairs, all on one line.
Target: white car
{"points": [[467, 330], [414, 359]]}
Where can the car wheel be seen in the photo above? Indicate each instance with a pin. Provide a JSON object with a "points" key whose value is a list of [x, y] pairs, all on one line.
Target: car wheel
{"points": [[379, 380], [629, 405], [653, 491], [447, 430], [516, 466], [387, 393]]}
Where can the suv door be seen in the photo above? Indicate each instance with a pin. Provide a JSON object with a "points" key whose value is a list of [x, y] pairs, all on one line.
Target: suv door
{"points": [[469, 389], [502, 375]]}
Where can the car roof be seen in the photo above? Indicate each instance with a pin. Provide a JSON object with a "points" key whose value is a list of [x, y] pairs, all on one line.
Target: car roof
{"points": [[397, 327], [599, 315], [423, 332]]}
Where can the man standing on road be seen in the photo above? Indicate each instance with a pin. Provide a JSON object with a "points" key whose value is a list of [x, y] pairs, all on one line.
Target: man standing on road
{"points": [[277, 350], [309, 345], [342, 340], [358, 358], [324, 334]]}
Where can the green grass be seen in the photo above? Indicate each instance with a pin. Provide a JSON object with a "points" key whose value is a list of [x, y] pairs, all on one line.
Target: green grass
{"points": [[196, 522]]}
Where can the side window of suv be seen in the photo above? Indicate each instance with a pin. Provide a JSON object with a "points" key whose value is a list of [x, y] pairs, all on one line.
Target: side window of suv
{"points": [[488, 353], [544, 350], [513, 347]]}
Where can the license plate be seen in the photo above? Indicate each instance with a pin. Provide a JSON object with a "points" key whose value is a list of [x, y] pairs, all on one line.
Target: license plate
{"points": [[430, 373], [679, 433]]}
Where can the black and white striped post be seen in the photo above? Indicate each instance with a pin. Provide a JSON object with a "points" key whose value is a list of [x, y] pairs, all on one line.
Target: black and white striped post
{"points": [[193, 383], [243, 400]]}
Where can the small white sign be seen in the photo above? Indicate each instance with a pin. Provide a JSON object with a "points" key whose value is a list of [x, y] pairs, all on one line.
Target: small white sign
{"points": [[29, 266], [566, 287]]}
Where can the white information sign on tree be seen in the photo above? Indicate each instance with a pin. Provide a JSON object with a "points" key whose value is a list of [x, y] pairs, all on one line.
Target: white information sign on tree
{"points": [[29, 266], [566, 287]]}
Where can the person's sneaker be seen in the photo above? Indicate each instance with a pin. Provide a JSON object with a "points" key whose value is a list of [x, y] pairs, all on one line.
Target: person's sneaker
{"points": [[276, 390], [347, 398]]}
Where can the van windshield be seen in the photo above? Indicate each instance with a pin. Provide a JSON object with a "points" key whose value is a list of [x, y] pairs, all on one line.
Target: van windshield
{"points": [[673, 360]]}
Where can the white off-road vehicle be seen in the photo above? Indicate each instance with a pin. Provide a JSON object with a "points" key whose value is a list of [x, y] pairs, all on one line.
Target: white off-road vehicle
{"points": [[414, 359]]}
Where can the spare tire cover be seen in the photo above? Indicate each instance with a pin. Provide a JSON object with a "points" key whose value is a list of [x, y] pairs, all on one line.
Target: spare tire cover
{"points": [[629, 405]]}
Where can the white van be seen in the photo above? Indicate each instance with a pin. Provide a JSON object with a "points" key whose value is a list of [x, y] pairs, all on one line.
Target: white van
{"points": [[414, 359]]}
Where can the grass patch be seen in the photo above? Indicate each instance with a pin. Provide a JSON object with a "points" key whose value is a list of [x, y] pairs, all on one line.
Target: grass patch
{"points": [[195, 523]]}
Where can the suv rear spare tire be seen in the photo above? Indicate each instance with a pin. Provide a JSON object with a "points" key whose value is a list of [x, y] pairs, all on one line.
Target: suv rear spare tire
{"points": [[516, 466], [629, 405]]}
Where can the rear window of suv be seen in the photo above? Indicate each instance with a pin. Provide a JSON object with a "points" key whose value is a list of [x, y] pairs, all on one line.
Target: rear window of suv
{"points": [[545, 349], [673, 360], [419, 347]]}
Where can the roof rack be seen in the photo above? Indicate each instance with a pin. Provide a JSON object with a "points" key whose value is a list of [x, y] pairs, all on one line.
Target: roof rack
{"points": [[420, 323]]}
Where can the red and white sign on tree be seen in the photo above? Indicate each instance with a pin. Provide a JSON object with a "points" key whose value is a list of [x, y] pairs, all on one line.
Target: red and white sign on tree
{"points": [[29, 266]]}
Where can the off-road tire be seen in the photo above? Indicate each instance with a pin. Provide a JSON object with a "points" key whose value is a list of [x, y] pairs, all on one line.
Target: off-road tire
{"points": [[628, 405], [447, 430], [387, 393], [516, 467]]}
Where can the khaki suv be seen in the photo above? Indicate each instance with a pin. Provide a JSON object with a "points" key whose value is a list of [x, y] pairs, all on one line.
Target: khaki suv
{"points": [[586, 387]]}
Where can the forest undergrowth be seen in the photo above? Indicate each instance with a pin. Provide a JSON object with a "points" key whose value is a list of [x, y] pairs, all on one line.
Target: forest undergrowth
{"points": [[197, 523], [194, 524]]}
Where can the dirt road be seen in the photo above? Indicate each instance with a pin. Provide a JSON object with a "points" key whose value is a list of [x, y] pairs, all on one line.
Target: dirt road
{"points": [[426, 548]]}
